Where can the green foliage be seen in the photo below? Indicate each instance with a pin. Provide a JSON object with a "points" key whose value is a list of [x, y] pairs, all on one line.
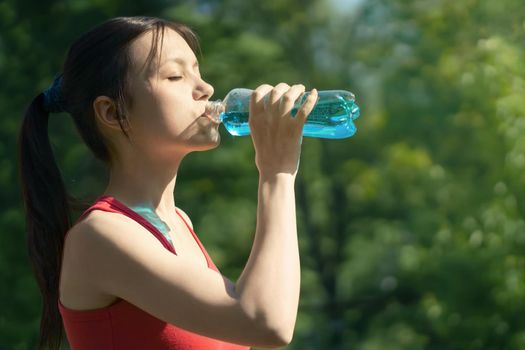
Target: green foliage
{"points": [[411, 232]]}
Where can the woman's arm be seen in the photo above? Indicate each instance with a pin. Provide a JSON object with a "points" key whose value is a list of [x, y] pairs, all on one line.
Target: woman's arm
{"points": [[269, 285]]}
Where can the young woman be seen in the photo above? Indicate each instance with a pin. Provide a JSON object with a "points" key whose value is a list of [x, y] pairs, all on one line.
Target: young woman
{"points": [[115, 279]]}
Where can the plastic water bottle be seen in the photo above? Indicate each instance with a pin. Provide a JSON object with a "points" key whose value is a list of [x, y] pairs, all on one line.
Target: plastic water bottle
{"points": [[332, 117]]}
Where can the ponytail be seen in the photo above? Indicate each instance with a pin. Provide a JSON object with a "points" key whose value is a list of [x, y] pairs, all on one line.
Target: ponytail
{"points": [[48, 215]]}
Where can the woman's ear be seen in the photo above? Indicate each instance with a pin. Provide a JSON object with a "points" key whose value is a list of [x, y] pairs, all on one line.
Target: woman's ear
{"points": [[106, 113]]}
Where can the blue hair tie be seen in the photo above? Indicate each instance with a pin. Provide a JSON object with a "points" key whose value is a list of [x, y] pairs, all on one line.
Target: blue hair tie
{"points": [[53, 100]]}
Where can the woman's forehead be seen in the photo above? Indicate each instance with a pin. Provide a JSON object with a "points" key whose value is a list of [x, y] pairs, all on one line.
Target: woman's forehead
{"points": [[173, 48]]}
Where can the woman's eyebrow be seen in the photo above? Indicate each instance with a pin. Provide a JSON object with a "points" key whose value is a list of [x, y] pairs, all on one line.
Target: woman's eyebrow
{"points": [[180, 61]]}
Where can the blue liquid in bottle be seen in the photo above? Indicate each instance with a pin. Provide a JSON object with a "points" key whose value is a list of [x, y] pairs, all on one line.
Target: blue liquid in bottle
{"points": [[332, 117]]}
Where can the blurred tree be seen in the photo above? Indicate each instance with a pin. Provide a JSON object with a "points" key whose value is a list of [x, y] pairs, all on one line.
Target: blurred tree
{"points": [[430, 246]]}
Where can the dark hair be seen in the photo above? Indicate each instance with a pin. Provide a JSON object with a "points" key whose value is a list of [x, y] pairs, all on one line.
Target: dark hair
{"points": [[97, 64]]}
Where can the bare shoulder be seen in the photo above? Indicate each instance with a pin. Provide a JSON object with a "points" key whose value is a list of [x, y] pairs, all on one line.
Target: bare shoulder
{"points": [[101, 240], [88, 244], [101, 230]]}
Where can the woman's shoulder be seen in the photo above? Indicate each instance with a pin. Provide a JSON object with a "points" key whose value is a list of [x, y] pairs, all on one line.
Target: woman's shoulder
{"points": [[102, 238], [103, 242], [100, 251], [89, 244], [102, 227], [96, 223]]}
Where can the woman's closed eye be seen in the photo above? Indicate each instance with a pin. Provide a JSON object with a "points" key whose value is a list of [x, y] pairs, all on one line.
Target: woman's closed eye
{"points": [[174, 77]]}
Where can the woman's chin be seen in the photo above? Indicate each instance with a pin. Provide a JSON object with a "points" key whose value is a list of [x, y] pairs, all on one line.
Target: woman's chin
{"points": [[216, 141], [201, 136], [208, 140]]}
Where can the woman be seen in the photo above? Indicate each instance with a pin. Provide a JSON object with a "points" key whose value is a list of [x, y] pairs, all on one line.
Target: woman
{"points": [[115, 279]]}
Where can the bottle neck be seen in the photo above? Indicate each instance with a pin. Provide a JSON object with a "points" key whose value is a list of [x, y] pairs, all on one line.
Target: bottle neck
{"points": [[215, 109]]}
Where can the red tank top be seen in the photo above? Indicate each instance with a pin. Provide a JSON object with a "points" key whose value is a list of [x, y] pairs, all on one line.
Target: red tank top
{"points": [[123, 326]]}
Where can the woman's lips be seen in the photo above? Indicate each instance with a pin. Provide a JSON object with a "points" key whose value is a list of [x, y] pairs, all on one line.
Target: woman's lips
{"points": [[210, 118]]}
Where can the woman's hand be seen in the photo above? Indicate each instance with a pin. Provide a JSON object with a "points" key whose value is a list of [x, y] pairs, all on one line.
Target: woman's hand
{"points": [[275, 133]]}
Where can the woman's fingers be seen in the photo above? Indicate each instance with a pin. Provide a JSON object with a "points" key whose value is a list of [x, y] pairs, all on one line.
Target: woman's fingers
{"points": [[257, 101], [279, 101], [307, 106], [288, 99], [276, 94]]}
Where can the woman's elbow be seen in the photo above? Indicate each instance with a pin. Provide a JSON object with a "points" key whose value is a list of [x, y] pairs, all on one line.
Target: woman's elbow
{"points": [[277, 334], [271, 328], [281, 338]]}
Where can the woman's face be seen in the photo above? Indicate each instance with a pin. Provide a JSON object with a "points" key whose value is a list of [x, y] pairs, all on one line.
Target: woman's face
{"points": [[169, 99]]}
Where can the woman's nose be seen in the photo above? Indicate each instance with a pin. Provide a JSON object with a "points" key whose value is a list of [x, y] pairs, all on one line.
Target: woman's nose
{"points": [[203, 91]]}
